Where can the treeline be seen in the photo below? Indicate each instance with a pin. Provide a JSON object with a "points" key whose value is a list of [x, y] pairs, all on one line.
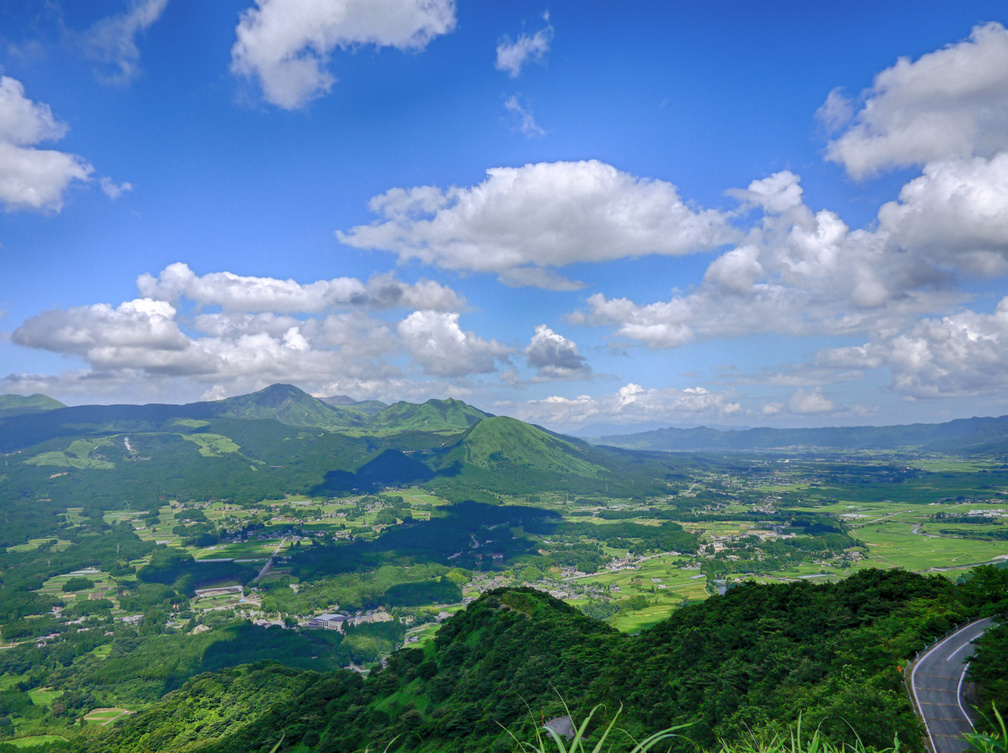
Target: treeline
{"points": [[739, 667]]}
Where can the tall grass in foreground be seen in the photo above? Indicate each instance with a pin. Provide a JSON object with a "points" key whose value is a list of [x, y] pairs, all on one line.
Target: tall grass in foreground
{"points": [[795, 743], [991, 743], [578, 742]]}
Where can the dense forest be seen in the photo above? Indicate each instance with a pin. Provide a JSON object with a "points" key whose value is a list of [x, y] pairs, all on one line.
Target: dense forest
{"points": [[748, 663]]}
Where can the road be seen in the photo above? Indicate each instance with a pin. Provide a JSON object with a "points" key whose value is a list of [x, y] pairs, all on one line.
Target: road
{"points": [[936, 684]]}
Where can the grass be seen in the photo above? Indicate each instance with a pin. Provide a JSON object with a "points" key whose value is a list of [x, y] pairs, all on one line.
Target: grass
{"points": [[35, 740], [579, 742], [44, 696], [895, 545], [212, 445], [993, 743], [106, 716]]}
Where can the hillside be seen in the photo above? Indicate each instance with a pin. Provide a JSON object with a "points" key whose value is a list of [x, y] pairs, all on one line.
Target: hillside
{"points": [[12, 405], [288, 405], [450, 416], [731, 667], [502, 444], [29, 421], [972, 435]]}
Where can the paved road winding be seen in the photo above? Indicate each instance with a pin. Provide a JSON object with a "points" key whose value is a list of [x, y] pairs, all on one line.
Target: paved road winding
{"points": [[936, 684]]}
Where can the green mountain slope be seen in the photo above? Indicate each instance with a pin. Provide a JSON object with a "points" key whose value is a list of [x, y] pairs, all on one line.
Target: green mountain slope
{"points": [[502, 444], [961, 435], [450, 416], [288, 405], [12, 405], [733, 667]]}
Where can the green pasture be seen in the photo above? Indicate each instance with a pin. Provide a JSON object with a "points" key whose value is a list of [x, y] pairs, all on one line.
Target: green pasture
{"points": [[35, 740], [74, 516], [102, 651], [952, 464], [103, 583], [895, 545], [212, 445], [424, 634], [106, 716], [44, 696], [118, 516], [77, 455], [34, 544], [9, 680], [936, 527], [241, 550]]}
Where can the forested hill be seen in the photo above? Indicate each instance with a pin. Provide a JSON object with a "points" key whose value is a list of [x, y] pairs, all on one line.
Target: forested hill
{"points": [[12, 405], [742, 665], [963, 436], [28, 421]]}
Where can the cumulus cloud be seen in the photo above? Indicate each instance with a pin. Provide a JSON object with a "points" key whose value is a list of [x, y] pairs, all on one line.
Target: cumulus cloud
{"points": [[960, 355], [32, 178], [948, 104], [799, 273], [775, 193], [630, 404], [522, 223], [111, 42], [512, 56], [236, 293], [143, 339], [810, 401], [285, 44], [523, 118], [956, 212], [136, 334], [442, 348], [259, 331], [554, 356]]}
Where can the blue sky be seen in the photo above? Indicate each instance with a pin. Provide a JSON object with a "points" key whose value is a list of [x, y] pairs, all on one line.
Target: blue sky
{"points": [[590, 215]]}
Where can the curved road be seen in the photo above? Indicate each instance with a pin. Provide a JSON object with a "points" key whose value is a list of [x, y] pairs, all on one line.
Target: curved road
{"points": [[936, 684]]}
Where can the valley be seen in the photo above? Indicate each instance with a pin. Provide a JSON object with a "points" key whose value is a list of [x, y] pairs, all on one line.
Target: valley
{"points": [[145, 545]]}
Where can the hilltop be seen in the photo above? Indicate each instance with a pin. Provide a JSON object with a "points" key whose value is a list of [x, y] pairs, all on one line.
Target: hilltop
{"points": [[732, 667]]}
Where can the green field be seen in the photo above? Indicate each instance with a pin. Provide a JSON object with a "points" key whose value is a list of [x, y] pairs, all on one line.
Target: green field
{"points": [[895, 545], [243, 550], [44, 696], [106, 716], [35, 740]]}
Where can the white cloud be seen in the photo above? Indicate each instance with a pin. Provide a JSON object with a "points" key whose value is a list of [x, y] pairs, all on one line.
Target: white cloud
{"points": [[948, 104], [554, 356], [964, 354], [112, 41], [956, 212], [511, 56], [136, 334], [805, 402], [520, 223], [524, 119], [112, 189], [775, 193], [799, 273], [631, 404], [236, 293], [443, 348], [836, 111], [32, 178], [285, 44]]}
